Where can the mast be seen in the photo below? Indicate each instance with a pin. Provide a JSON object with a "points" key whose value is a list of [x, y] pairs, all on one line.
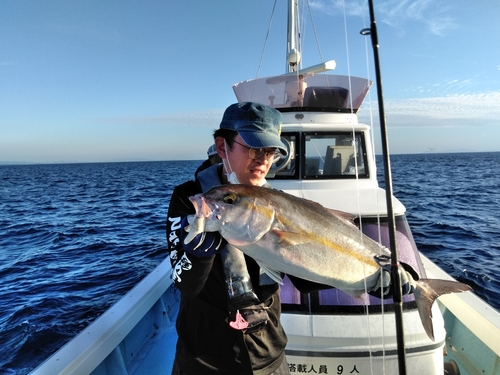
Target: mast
{"points": [[293, 53]]}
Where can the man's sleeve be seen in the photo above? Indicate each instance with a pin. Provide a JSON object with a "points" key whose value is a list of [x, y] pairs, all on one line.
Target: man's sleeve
{"points": [[188, 272]]}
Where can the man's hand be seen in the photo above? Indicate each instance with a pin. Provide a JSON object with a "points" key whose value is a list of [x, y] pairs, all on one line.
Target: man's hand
{"points": [[407, 275]]}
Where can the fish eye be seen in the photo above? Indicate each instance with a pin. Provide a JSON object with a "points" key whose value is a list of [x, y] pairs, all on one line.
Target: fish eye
{"points": [[230, 198]]}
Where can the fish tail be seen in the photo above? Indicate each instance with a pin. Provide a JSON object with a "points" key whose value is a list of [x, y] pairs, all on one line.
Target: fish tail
{"points": [[427, 291]]}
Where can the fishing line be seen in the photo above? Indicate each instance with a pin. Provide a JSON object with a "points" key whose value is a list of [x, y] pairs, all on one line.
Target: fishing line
{"points": [[395, 270], [353, 143], [377, 202], [318, 152], [314, 31], [264, 46], [265, 40]]}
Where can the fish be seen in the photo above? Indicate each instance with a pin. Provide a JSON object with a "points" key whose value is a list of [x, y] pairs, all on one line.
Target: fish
{"points": [[290, 235]]}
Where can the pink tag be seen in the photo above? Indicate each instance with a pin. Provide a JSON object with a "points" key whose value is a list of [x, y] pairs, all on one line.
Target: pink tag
{"points": [[239, 322]]}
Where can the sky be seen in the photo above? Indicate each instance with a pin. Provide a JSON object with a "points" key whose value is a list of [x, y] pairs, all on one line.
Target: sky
{"points": [[98, 81]]}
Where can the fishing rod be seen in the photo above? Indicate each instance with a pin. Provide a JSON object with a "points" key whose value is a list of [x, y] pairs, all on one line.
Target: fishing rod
{"points": [[395, 269]]}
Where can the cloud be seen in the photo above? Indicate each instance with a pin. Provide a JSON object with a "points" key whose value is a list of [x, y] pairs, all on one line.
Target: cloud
{"points": [[335, 7], [396, 13], [471, 86], [445, 110], [451, 110], [433, 14], [456, 109]]}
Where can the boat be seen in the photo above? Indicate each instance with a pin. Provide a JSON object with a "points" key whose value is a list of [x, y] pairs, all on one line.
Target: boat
{"points": [[331, 160]]}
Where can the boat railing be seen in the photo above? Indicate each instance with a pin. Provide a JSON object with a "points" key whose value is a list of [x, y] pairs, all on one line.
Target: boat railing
{"points": [[105, 336]]}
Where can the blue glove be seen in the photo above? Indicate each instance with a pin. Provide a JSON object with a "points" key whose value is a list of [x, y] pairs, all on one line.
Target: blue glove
{"points": [[408, 277], [204, 244]]}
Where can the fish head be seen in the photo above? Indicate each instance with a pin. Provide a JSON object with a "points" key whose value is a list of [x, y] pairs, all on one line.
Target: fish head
{"points": [[241, 213]]}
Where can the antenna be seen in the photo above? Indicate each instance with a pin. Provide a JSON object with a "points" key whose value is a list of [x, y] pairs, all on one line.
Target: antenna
{"points": [[302, 73]]}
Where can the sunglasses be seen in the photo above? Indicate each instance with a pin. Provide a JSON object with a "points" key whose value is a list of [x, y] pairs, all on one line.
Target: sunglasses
{"points": [[257, 153]]}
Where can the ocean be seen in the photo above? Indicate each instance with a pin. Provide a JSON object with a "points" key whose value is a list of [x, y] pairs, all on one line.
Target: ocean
{"points": [[76, 237]]}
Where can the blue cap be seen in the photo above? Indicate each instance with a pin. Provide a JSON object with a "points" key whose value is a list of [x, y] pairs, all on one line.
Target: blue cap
{"points": [[259, 125], [212, 150]]}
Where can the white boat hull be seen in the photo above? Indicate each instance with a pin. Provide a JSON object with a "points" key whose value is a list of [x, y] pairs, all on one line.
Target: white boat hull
{"points": [[344, 344]]}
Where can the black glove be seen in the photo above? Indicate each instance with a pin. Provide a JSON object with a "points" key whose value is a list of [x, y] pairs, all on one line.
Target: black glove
{"points": [[408, 278]]}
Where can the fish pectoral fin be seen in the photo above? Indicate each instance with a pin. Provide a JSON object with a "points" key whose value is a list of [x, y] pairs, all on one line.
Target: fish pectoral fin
{"points": [[427, 291], [273, 274], [291, 238], [196, 227]]}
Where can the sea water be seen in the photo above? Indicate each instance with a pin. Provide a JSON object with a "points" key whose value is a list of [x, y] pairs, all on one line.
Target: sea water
{"points": [[453, 207], [74, 238]]}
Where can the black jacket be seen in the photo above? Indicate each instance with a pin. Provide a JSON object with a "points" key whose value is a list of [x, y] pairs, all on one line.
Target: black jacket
{"points": [[206, 343]]}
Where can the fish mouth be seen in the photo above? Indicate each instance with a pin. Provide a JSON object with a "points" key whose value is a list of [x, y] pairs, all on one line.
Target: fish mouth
{"points": [[199, 224], [203, 208]]}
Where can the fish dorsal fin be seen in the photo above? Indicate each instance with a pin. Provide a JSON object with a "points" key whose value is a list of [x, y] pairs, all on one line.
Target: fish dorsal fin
{"points": [[273, 274], [290, 238], [346, 216]]}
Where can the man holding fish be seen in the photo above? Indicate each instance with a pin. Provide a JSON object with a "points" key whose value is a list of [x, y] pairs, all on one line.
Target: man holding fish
{"points": [[230, 246]]}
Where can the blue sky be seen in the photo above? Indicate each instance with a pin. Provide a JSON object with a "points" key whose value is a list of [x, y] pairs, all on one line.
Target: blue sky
{"points": [[85, 81]]}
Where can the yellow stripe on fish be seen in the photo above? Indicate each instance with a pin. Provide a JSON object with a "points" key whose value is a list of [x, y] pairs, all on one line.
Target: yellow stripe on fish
{"points": [[295, 235]]}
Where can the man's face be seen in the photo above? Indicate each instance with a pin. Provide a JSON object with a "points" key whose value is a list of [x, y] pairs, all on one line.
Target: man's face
{"points": [[249, 171]]}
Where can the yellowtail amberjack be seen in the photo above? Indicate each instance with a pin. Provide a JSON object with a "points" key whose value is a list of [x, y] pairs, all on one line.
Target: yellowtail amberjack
{"points": [[299, 237]]}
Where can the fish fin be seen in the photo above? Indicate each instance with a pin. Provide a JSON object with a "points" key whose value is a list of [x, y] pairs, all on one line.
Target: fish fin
{"points": [[196, 227], [427, 291], [273, 274], [346, 216], [291, 238]]}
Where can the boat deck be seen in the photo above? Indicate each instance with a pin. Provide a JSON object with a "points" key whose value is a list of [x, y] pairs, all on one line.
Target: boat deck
{"points": [[157, 354], [137, 335]]}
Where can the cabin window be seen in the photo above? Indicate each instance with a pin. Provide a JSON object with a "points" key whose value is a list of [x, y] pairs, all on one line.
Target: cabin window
{"points": [[334, 156], [323, 155]]}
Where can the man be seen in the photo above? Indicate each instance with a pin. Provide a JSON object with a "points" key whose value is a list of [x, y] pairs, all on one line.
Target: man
{"points": [[212, 158], [210, 341], [229, 317]]}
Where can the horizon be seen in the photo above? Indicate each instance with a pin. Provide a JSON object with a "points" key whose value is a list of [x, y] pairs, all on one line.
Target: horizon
{"points": [[7, 163], [104, 81]]}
